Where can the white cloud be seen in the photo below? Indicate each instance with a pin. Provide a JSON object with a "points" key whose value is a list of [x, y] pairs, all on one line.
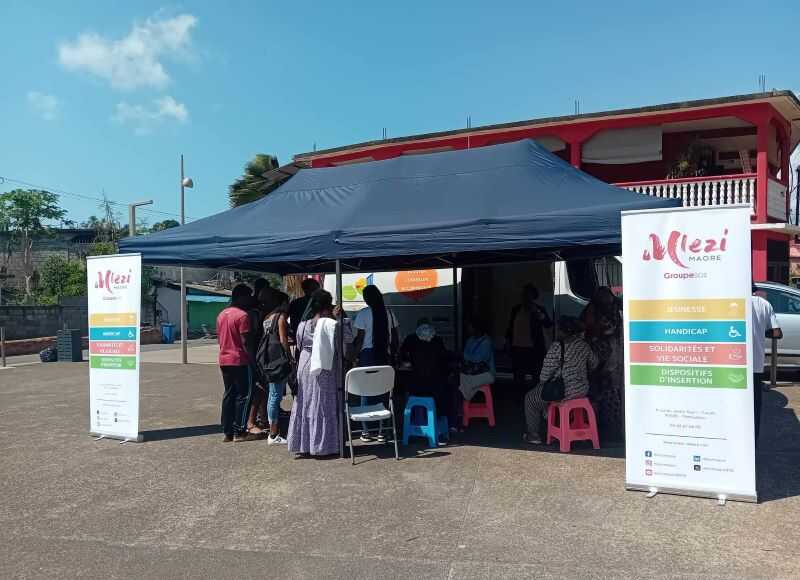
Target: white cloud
{"points": [[144, 119], [46, 106], [132, 61]]}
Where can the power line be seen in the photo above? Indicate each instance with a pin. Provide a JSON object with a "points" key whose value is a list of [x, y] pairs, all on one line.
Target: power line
{"points": [[85, 197]]}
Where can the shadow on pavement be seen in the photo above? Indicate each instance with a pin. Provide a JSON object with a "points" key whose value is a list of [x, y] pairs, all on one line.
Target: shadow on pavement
{"points": [[778, 452], [181, 432]]}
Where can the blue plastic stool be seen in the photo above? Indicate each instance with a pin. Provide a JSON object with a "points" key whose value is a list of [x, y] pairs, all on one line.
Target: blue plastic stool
{"points": [[415, 430]]}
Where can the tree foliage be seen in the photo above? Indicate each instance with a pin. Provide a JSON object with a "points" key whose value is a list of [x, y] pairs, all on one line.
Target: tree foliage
{"points": [[165, 225], [60, 277], [252, 185], [25, 215]]}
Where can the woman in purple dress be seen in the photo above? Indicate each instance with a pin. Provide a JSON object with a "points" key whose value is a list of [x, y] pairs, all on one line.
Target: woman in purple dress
{"points": [[314, 425]]}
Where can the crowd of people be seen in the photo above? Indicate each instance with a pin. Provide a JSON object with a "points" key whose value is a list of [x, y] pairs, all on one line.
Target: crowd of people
{"points": [[268, 343]]}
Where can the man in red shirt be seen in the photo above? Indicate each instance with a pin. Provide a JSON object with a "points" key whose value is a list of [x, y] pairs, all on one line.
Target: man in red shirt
{"points": [[233, 326]]}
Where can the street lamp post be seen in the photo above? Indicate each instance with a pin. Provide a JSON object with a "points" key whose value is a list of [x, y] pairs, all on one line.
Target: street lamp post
{"points": [[185, 182], [132, 215]]}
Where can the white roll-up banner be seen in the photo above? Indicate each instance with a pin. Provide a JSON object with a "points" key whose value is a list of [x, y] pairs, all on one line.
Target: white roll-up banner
{"points": [[689, 425], [114, 290]]}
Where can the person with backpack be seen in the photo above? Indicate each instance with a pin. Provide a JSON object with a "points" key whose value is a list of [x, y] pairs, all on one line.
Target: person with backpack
{"points": [[274, 359], [255, 316]]}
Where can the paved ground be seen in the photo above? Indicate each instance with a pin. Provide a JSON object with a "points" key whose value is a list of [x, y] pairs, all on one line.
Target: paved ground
{"points": [[185, 505], [200, 351]]}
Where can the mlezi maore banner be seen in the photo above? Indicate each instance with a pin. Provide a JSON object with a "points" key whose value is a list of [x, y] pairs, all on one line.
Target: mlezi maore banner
{"points": [[688, 370], [114, 290]]}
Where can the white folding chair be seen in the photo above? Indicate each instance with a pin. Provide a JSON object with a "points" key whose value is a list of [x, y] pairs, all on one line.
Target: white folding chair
{"points": [[369, 382]]}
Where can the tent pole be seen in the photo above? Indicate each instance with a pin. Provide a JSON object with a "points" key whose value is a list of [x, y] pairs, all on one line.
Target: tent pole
{"points": [[340, 402], [456, 317]]}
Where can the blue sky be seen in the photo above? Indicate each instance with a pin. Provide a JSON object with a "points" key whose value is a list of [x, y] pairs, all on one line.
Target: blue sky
{"points": [[106, 95]]}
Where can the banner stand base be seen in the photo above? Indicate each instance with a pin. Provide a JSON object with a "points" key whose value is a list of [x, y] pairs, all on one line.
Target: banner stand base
{"points": [[98, 436], [721, 498]]}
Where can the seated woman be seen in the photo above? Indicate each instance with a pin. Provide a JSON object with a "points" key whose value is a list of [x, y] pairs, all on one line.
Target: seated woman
{"points": [[579, 361], [428, 359], [477, 368]]}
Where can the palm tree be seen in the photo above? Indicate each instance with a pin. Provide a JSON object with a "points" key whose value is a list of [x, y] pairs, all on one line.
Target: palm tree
{"points": [[252, 185]]}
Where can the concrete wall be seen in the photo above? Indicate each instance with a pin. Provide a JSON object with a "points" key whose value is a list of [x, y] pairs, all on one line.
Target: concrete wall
{"points": [[37, 321]]}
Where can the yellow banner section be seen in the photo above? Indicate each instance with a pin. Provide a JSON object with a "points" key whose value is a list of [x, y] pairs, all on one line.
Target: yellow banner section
{"points": [[691, 309], [113, 319]]}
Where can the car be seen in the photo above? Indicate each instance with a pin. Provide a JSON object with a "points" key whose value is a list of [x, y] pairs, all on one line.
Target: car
{"points": [[785, 301]]}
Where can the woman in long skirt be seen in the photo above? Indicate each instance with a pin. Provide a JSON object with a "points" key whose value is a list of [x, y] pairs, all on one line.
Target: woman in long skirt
{"points": [[314, 425]]}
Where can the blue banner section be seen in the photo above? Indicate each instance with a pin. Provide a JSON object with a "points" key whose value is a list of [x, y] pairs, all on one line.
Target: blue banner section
{"points": [[113, 333], [691, 331]]}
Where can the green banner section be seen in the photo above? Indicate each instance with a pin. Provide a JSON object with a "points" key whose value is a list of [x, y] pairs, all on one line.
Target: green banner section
{"points": [[680, 376], [127, 363]]}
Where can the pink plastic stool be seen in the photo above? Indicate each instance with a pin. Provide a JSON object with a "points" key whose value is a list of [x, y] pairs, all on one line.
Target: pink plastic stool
{"points": [[576, 422], [480, 410]]}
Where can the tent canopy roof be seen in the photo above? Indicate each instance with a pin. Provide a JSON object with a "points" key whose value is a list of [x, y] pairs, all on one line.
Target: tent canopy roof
{"points": [[509, 202]]}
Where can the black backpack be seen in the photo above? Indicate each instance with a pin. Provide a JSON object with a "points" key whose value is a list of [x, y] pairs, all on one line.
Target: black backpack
{"points": [[274, 363]]}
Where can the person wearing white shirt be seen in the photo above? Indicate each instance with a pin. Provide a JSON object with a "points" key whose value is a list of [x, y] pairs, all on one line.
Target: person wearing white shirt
{"points": [[764, 325], [376, 339]]}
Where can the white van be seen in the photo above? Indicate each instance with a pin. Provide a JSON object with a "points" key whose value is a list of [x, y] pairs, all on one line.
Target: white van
{"points": [[487, 291]]}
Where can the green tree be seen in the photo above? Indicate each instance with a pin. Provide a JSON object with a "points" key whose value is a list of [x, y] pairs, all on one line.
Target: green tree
{"points": [[252, 185], [25, 213], [165, 225], [59, 277], [102, 248]]}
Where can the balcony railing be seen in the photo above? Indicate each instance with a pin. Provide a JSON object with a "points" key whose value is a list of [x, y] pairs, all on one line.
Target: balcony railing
{"points": [[702, 191]]}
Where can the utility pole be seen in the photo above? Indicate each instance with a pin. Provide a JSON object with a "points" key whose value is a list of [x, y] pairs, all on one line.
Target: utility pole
{"points": [[185, 182]]}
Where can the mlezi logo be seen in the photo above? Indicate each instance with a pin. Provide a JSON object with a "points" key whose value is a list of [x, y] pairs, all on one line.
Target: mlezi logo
{"points": [[682, 249], [111, 281]]}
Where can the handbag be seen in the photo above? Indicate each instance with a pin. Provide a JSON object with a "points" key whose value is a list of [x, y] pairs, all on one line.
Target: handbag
{"points": [[554, 389], [274, 362]]}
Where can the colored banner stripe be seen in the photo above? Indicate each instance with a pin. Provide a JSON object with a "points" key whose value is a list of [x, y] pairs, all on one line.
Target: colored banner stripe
{"points": [[113, 319], [113, 333], [126, 363], [112, 347], [691, 309], [700, 331], [689, 353], [699, 377]]}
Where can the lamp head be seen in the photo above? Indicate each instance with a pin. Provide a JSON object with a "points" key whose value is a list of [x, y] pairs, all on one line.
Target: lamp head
{"points": [[187, 182]]}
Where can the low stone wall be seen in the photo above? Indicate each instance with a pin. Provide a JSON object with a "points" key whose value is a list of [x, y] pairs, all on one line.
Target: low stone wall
{"points": [[23, 322], [36, 345]]}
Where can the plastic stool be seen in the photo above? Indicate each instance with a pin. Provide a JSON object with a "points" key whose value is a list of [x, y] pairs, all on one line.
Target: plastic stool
{"points": [[427, 430], [483, 410], [576, 422]]}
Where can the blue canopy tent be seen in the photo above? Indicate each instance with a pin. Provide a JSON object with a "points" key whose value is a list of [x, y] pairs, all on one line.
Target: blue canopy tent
{"points": [[504, 203], [501, 203]]}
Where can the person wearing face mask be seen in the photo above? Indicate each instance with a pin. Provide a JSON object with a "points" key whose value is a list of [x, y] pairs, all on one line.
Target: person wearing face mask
{"points": [[427, 357]]}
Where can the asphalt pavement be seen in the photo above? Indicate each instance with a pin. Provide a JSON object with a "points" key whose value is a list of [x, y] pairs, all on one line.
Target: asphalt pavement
{"points": [[183, 504]]}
